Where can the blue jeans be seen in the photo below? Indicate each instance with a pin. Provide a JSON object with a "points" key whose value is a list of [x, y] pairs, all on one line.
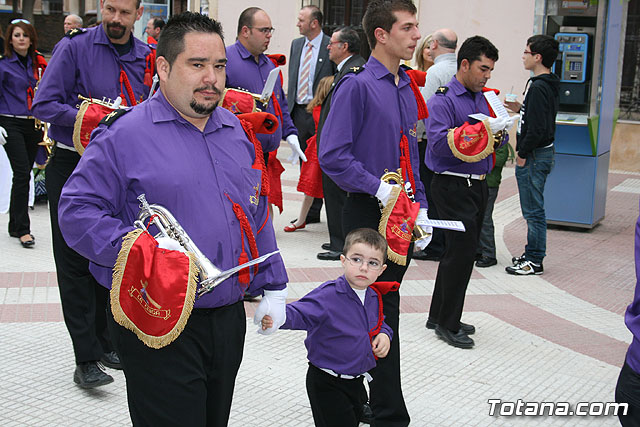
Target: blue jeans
{"points": [[531, 179]]}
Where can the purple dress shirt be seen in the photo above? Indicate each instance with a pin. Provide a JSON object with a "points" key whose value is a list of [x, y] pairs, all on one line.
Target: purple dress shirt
{"points": [[244, 73], [337, 325], [14, 81], [360, 139], [632, 315], [448, 111], [153, 150], [88, 65]]}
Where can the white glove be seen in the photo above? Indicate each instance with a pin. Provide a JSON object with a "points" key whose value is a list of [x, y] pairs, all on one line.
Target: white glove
{"points": [[497, 124], [273, 303], [421, 221], [384, 192], [169, 243], [512, 121], [297, 152], [3, 136]]}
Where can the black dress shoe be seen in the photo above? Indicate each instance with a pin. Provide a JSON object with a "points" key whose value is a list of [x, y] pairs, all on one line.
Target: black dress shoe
{"points": [[111, 360], [486, 261], [329, 256], [28, 243], [89, 375], [312, 219], [326, 246], [424, 255], [458, 339], [465, 327], [367, 414]]}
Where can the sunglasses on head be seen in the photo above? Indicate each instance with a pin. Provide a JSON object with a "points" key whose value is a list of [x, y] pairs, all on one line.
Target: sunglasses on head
{"points": [[24, 21]]}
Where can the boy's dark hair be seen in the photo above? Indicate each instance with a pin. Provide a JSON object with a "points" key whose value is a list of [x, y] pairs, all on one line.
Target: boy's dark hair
{"points": [[316, 14], [349, 36], [368, 236], [379, 14], [246, 18], [474, 47], [546, 46], [171, 44]]}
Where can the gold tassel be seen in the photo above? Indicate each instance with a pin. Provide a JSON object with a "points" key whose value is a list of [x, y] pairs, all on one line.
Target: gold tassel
{"points": [[382, 227]]}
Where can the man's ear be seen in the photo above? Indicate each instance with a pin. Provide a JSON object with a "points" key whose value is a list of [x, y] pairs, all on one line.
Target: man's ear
{"points": [[163, 67], [380, 35], [465, 65], [139, 12]]}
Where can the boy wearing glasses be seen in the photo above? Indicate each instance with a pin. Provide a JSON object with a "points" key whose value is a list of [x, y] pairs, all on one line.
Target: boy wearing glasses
{"points": [[346, 331]]}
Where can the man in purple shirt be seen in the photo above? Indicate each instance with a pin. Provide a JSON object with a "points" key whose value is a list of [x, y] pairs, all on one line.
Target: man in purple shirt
{"points": [[345, 334], [372, 112], [628, 386], [93, 63], [248, 68], [196, 161], [458, 187]]}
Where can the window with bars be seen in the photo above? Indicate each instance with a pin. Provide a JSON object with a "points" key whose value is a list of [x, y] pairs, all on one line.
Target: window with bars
{"points": [[630, 86], [338, 13]]}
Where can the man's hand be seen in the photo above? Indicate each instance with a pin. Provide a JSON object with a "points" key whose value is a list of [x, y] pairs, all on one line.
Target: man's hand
{"points": [[421, 221], [297, 152], [381, 345], [272, 305], [384, 192], [3, 136], [520, 161], [513, 105]]}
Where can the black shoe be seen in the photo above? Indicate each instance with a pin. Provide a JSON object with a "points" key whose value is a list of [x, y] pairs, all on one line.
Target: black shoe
{"points": [[486, 261], [458, 339], [89, 375], [423, 255], [329, 256], [111, 360], [517, 259], [28, 243], [326, 246], [464, 327], [312, 219], [367, 414]]}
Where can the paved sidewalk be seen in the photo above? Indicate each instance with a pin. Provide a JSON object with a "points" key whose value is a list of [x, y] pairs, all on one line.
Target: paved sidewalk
{"points": [[557, 337]]}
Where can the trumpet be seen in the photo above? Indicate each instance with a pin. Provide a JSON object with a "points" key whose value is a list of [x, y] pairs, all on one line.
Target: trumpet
{"points": [[395, 177], [105, 102], [46, 142], [210, 276]]}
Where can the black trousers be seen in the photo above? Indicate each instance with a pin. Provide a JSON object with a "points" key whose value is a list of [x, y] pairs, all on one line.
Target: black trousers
{"points": [[21, 147], [334, 401], [387, 401], [334, 199], [436, 245], [189, 382], [303, 121], [628, 391], [463, 200], [84, 301]]}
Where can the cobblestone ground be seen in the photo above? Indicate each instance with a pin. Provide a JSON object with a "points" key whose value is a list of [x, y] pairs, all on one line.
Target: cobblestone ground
{"points": [[556, 337]]}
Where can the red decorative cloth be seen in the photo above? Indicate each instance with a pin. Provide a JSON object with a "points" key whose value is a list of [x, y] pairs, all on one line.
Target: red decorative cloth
{"points": [[87, 119], [381, 288], [274, 170], [310, 182], [153, 289], [396, 224]]}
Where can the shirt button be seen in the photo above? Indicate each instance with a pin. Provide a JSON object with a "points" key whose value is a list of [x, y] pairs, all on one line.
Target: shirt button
{"points": [[216, 162]]}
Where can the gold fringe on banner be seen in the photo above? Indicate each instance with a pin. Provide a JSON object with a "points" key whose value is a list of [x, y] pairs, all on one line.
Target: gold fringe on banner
{"points": [[382, 227], [120, 316]]}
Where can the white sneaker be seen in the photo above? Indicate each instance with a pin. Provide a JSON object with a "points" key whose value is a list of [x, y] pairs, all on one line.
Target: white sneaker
{"points": [[525, 267]]}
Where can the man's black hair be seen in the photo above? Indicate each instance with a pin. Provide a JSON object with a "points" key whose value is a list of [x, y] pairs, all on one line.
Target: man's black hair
{"points": [[546, 46], [246, 18], [379, 14], [349, 36], [474, 47], [316, 14], [158, 23], [171, 43]]}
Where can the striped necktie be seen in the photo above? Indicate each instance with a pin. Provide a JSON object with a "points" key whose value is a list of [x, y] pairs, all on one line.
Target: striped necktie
{"points": [[303, 83]]}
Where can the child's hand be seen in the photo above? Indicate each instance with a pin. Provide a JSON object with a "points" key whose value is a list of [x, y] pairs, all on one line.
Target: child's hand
{"points": [[267, 322], [381, 345]]}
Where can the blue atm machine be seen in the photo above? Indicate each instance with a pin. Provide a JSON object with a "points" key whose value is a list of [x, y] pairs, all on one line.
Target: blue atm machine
{"points": [[590, 35]]}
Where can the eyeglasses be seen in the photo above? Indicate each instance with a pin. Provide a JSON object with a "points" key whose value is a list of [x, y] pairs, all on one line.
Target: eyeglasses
{"points": [[528, 52], [373, 264], [264, 30], [332, 43], [24, 21]]}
